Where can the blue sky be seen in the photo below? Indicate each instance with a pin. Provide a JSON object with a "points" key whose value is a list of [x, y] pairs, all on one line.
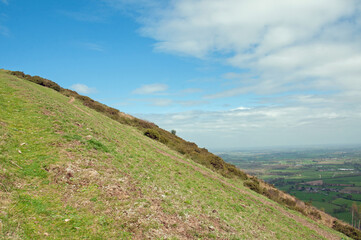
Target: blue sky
{"points": [[224, 74]]}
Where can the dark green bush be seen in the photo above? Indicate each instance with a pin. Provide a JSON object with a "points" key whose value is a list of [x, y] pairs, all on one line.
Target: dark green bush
{"points": [[18, 74], [233, 170], [38, 80], [142, 124], [347, 230], [68, 92], [216, 162], [163, 140], [153, 134], [253, 185]]}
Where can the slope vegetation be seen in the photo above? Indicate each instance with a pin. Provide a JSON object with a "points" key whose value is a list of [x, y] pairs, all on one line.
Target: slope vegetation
{"points": [[200, 155], [68, 171]]}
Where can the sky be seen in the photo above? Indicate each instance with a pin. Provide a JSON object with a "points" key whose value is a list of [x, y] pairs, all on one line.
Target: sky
{"points": [[224, 74]]}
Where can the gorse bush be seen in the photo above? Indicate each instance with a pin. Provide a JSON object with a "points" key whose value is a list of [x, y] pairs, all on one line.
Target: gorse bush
{"points": [[347, 230], [315, 214], [153, 134], [38, 80], [273, 194], [289, 202], [253, 184]]}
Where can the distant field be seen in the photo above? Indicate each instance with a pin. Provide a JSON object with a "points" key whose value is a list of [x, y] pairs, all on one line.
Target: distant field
{"points": [[330, 178]]}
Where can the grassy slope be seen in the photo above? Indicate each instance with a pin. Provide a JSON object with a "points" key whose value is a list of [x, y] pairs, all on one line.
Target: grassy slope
{"points": [[191, 150], [66, 173]]}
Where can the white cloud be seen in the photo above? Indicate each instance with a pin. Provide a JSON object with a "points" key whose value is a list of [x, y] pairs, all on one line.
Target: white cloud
{"points": [[307, 53], [290, 44], [151, 89], [241, 108], [5, 2], [93, 46], [83, 89], [265, 126], [201, 27], [161, 102]]}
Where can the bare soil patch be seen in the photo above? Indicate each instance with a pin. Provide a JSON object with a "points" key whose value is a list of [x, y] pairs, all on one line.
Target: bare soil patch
{"points": [[71, 101]]}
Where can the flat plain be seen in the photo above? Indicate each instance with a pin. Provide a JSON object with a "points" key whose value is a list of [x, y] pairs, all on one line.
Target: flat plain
{"points": [[329, 178]]}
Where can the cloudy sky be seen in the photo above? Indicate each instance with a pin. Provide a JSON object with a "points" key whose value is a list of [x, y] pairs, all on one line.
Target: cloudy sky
{"points": [[224, 74]]}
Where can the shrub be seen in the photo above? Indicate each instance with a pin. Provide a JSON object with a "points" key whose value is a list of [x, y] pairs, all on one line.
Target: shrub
{"points": [[233, 170], [216, 162], [289, 202], [253, 184], [18, 74], [347, 230], [153, 134], [163, 140], [272, 194], [38, 80], [315, 214], [300, 209], [68, 92]]}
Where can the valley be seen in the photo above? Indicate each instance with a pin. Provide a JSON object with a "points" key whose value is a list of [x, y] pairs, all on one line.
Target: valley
{"points": [[328, 178]]}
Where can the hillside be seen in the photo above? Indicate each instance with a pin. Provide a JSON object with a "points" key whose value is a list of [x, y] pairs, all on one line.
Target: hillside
{"points": [[68, 171]]}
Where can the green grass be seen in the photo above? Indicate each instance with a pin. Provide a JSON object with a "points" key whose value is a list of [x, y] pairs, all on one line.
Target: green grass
{"points": [[342, 201], [67, 174], [346, 180]]}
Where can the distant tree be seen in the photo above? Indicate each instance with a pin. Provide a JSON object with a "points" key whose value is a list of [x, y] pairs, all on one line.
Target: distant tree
{"points": [[173, 132], [359, 217], [354, 212]]}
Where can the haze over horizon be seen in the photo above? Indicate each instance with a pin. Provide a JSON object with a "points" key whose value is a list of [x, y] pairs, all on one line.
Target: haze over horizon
{"points": [[221, 73]]}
